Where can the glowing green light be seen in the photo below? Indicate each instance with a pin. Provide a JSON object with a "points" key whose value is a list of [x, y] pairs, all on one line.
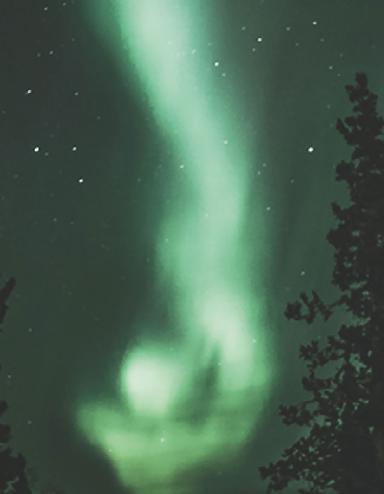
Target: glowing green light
{"points": [[164, 426], [150, 382]]}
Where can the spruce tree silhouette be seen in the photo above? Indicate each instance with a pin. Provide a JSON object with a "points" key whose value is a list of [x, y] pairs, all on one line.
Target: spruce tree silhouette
{"points": [[13, 479], [342, 446]]}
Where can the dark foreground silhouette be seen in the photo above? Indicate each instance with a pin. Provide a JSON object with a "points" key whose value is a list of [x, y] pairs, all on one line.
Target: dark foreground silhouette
{"points": [[342, 446], [13, 478]]}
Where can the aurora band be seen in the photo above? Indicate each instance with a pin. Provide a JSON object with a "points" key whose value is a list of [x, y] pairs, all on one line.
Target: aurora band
{"points": [[164, 426]]}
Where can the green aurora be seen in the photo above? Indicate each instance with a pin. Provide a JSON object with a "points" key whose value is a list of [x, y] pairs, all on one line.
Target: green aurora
{"points": [[205, 270], [139, 324]]}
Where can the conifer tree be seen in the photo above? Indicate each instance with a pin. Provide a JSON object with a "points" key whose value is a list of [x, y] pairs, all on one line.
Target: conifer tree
{"points": [[13, 478], [342, 446]]}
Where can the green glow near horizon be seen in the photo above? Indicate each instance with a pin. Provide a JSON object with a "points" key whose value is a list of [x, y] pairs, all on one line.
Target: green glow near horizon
{"points": [[159, 430]]}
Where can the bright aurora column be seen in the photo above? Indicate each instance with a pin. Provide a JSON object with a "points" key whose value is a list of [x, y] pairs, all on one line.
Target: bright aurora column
{"points": [[205, 263]]}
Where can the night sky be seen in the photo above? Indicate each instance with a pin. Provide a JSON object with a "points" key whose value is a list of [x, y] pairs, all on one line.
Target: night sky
{"points": [[167, 168]]}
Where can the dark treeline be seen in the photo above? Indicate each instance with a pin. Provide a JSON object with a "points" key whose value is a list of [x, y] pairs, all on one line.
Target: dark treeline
{"points": [[13, 478], [341, 449]]}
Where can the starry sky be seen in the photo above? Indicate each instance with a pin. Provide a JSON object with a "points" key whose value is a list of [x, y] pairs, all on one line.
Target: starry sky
{"points": [[166, 173]]}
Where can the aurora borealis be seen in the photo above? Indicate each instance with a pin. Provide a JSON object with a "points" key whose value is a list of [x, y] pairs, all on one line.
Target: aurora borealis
{"points": [[202, 267], [167, 169]]}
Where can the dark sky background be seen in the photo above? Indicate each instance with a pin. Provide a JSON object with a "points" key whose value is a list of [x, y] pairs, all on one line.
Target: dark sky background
{"points": [[79, 189]]}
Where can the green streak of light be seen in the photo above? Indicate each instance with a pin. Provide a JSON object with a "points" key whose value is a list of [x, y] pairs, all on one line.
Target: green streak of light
{"points": [[204, 245]]}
